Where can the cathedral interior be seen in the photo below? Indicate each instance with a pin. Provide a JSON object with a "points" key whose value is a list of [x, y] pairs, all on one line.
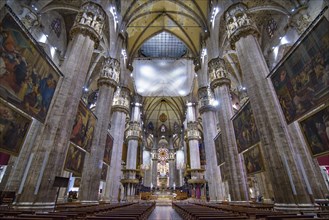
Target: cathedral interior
{"points": [[164, 102]]}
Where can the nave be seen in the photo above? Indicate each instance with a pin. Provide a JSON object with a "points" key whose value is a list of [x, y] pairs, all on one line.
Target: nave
{"points": [[176, 210], [119, 107]]}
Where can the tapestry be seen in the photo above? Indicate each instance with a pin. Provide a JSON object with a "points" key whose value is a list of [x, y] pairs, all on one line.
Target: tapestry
{"points": [[13, 129], [104, 172], [83, 128], [302, 81], [108, 149], [253, 160], [219, 149], [74, 161], [245, 129], [27, 78], [316, 131]]}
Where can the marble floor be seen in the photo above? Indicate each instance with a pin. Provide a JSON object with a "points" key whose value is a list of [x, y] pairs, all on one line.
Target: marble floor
{"points": [[164, 213]]}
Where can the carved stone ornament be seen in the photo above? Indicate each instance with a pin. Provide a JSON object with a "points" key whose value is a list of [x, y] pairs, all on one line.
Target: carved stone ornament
{"points": [[239, 23], [89, 21], [110, 72], [134, 131], [121, 100], [205, 100], [28, 18], [218, 73], [193, 131], [216, 69]]}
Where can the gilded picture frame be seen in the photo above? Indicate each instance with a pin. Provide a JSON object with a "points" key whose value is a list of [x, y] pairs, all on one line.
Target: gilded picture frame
{"points": [[28, 77], [315, 129], [301, 81], [253, 160]]}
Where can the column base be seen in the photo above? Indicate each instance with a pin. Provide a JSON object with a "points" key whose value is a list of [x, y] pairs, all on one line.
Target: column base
{"points": [[295, 207], [239, 202], [89, 202], [44, 206]]}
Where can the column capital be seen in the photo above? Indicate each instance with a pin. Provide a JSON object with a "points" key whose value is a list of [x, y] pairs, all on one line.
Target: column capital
{"points": [[239, 23], [134, 131], [193, 131], [121, 100], [205, 100], [110, 72], [89, 21], [217, 73]]}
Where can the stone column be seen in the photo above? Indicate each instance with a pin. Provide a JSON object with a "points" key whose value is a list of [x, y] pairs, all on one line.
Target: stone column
{"points": [[221, 86], [120, 111], [107, 83], [209, 121], [49, 151], [193, 137], [154, 162], [171, 161], [133, 135], [154, 167], [289, 190]]}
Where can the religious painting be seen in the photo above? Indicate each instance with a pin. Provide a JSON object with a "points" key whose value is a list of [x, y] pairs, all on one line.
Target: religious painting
{"points": [[28, 78], [219, 149], [104, 172], [253, 160], [301, 82], [108, 149], [245, 129], [13, 129], [83, 128], [222, 169], [77, 182], [316, 131], [74, 161]]}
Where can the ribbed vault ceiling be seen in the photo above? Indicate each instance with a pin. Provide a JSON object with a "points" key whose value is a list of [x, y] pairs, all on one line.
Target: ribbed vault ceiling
{"points": [[186, 19]]}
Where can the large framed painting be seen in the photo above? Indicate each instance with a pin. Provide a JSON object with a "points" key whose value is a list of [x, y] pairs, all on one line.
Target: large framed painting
{"points": [[245, 129], [108, 149], [316, 131], [74, 161], [219, 149], [28, 79], [253, 160], [223, 173], [83, 128], [301, 81], [77, 182], [13, 129], [104, 172]]}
